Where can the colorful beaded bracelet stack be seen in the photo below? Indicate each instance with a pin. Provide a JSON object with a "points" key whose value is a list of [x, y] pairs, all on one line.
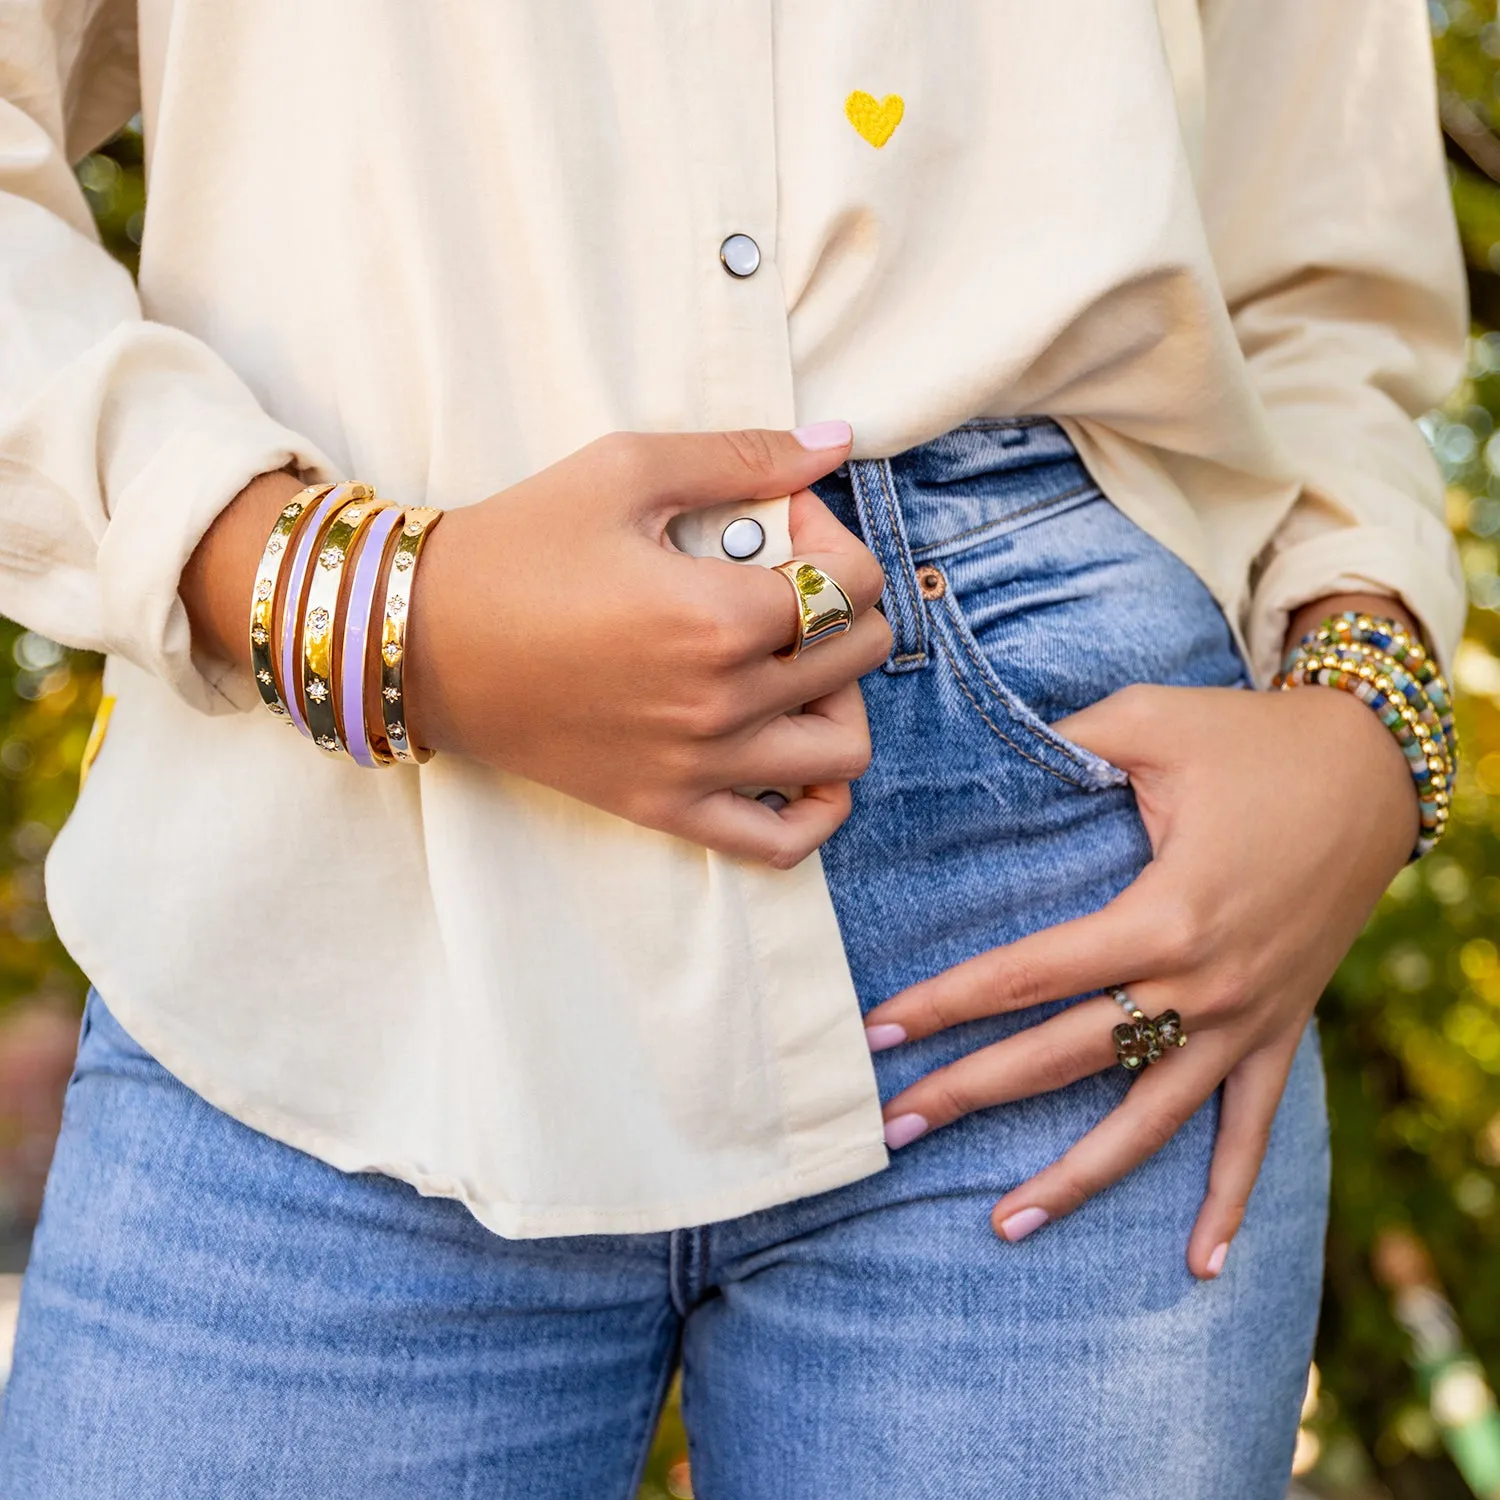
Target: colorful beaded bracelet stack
{"points": [[1384, 666], [332, 584]]}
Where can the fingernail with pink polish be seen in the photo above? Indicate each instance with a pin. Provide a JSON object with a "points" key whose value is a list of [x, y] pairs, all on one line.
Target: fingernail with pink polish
{"points": [[884, 1034], [1216, 1260], [820, 435], [903, 1130], [1019, 1225]]}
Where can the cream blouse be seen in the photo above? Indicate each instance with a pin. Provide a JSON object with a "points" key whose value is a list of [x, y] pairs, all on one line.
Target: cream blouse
{"points": [[437, 246]]}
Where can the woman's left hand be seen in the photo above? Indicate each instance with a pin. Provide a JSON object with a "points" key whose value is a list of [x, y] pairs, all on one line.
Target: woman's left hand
{"points": [[1277, 819]]}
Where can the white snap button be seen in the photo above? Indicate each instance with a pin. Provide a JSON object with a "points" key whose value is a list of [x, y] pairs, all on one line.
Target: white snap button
{"points": [[740, 255], [774, 800], [743, 538]]}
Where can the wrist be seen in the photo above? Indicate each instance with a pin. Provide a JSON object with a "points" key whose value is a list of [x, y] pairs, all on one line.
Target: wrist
{"points": [[1309, 616], [434, 628], [217, 580], [1370, 649], [1378, 769]]}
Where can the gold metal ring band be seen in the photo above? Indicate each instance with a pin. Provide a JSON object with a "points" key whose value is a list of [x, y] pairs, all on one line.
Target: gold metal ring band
{"points": [[403, 568], [319, 701], [263, 596], [823, 608]]}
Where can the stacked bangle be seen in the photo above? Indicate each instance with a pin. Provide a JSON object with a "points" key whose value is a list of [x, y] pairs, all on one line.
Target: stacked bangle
{"points": [[309, 539], [263, 599], [1383, 666], [316, 670], [322, 610], [352, 675], [419, 522]]}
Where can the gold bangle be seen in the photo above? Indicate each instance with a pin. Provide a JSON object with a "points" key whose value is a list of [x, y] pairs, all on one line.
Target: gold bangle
{"points": [[263, 596], [403, 569], [319, 617]]}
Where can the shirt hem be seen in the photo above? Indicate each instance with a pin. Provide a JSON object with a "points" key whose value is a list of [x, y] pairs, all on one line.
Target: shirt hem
{"points": [[825, 1172]]}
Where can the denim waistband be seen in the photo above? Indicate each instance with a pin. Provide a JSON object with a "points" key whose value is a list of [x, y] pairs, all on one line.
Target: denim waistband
{"points": [[976, 480]]}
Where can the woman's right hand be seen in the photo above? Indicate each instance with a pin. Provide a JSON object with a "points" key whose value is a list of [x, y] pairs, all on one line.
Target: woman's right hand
{"points": [[556, 632]]}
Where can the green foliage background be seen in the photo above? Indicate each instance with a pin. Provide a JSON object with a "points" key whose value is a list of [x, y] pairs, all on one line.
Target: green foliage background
{"points": [[1411, 1027]]}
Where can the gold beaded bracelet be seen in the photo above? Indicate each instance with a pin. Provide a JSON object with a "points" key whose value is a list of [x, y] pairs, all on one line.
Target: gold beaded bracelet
{"points": [[1354, 653]]}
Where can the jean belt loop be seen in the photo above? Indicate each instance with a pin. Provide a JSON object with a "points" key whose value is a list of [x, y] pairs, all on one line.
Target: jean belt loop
{"points": [[879, 510]]}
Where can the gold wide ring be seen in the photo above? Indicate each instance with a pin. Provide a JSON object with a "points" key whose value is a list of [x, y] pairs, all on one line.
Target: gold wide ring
{"points": [[823, 608], [1139, 1041]]}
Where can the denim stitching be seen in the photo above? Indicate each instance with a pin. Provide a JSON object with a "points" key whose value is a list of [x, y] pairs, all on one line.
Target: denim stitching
{"points": [[1095, 781], [985, 675], [903, 550], [877, 541], [999, 732], [929, 549], [902, 610], [1089, 779]]}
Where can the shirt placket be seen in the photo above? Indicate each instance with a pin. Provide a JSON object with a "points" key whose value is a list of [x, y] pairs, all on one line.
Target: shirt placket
{"points": [[727, 65]]}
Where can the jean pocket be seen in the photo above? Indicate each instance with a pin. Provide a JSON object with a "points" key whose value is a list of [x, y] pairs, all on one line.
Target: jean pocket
{"points": [[1067, 603], [1002, 711]]}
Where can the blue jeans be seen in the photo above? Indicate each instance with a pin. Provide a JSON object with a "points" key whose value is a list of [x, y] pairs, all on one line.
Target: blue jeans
{"points": [[210, 1313]]}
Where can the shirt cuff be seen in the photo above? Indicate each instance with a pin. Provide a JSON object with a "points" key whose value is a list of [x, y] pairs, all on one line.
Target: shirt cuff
{"points": [[157, 520], [1420, 567]]}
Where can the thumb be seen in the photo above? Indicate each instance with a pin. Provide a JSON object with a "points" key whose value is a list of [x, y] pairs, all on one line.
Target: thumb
{"points": [[1123, 729], [690, 470]]}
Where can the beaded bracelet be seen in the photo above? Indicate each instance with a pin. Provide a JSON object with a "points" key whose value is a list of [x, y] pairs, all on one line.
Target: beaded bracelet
{"points": [[1390, 639], [1429, 756], [1383, 668], [1428, 764], [1385, 676], [1381, 664]]}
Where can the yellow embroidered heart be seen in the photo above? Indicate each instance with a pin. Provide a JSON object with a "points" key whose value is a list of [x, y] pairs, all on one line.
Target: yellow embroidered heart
{"points": [[875, 119]]}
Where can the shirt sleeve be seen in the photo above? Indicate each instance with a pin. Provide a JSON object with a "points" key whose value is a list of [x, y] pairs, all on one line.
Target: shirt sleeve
{"points": [[1326, 199], [120, 439]]}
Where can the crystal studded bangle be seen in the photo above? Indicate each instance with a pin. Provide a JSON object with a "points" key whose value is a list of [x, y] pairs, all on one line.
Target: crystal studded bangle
{"points": [[1379, 662], [308, 540], [263, 597], [419, 522], [320, 620]]}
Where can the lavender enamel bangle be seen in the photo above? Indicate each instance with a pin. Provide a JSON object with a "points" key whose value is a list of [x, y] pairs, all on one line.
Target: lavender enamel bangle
{"points": [[357, 623], [307, 540], [263, 599]]}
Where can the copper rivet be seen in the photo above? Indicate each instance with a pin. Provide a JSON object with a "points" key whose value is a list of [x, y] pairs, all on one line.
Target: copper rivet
{"points": [[932, 583]]}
